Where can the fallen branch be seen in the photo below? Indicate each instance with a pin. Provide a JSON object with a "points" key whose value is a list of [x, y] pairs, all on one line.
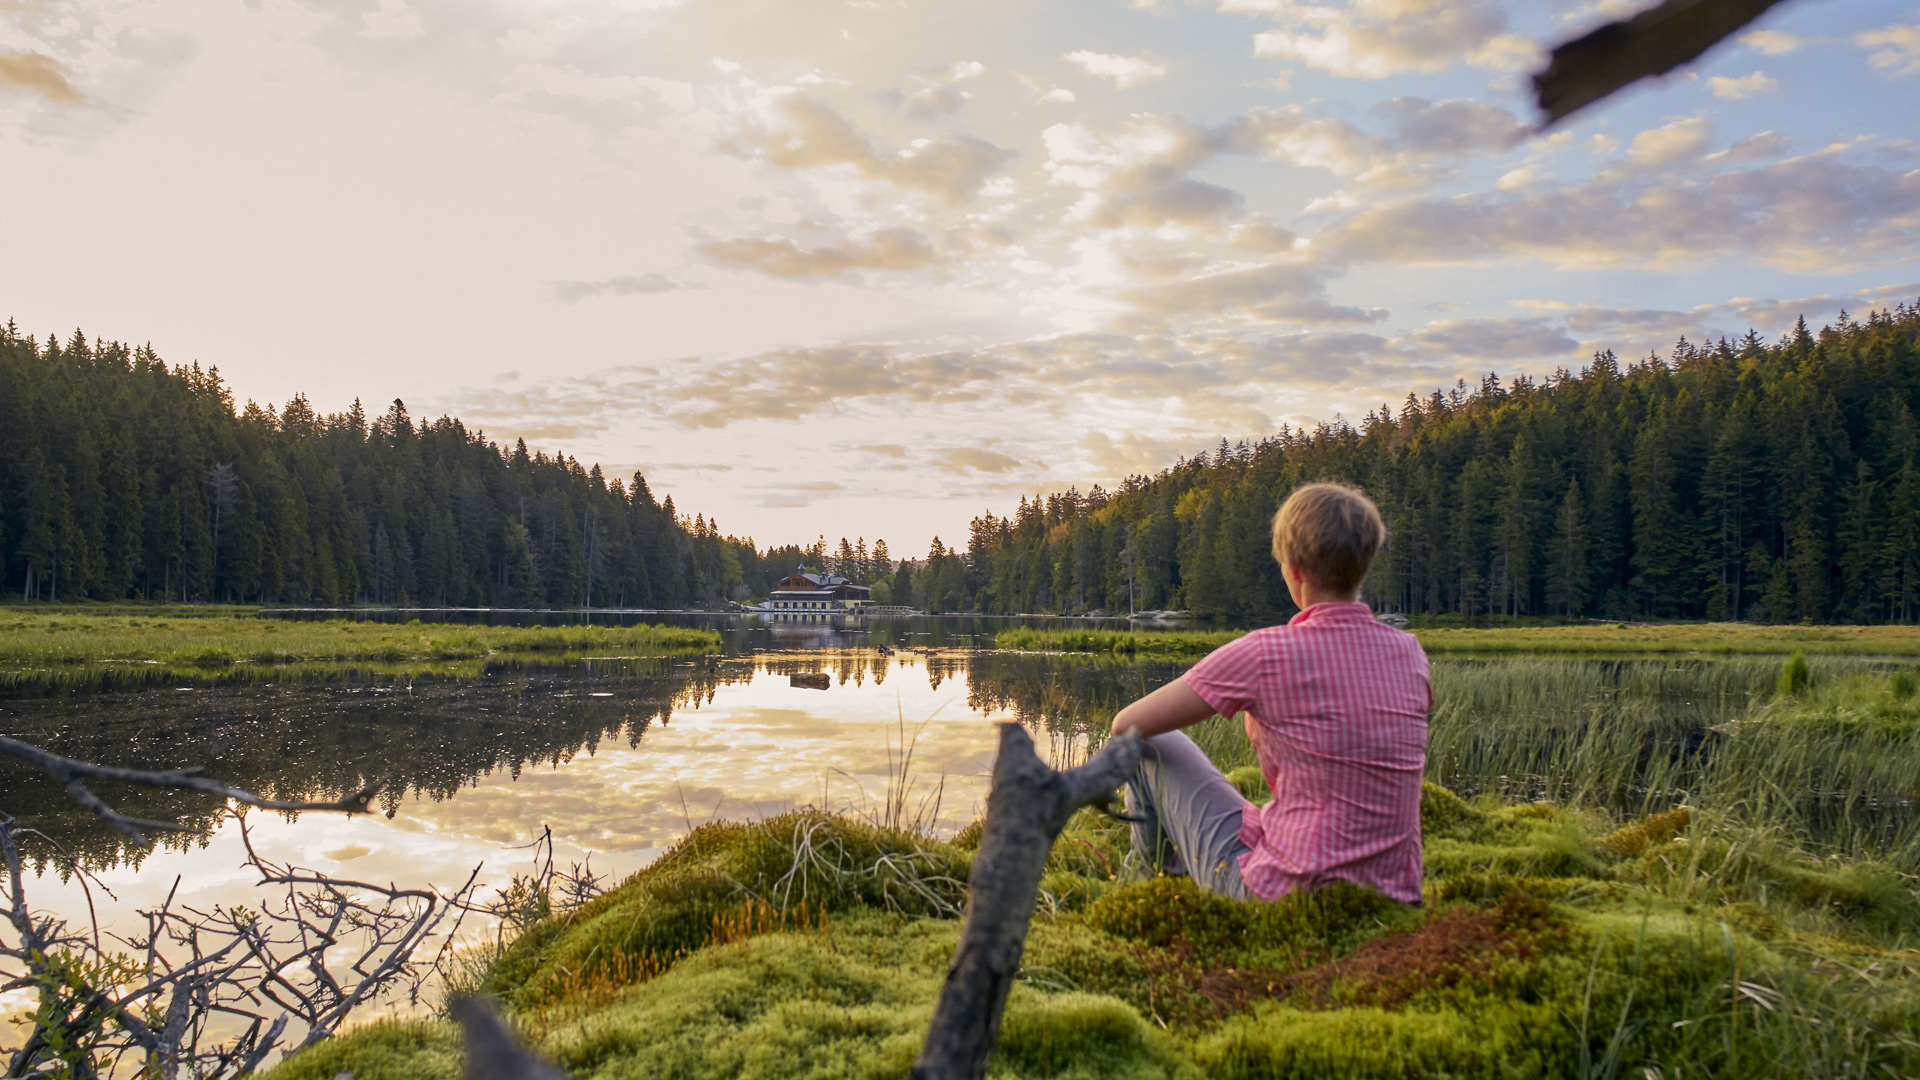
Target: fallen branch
{"points": [[1026, 809], [70, 773]]}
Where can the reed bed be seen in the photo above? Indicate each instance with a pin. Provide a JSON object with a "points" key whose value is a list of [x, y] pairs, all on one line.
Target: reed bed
{"points": [[1604, 639], [1834, 769], [1168, 644], [221, 641]]}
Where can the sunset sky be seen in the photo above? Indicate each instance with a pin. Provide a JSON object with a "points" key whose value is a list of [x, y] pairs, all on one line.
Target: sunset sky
{"points": [[870, 267]]}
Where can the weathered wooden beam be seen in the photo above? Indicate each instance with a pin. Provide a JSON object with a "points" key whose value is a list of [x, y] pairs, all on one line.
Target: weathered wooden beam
{"points": [[494, 1052], [1026, 809], [1653, 42]]}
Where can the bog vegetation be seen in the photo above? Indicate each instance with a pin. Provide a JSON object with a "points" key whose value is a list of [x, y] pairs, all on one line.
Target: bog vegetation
{"points": [[1609, 933], [37, 648], [1603, 639]]}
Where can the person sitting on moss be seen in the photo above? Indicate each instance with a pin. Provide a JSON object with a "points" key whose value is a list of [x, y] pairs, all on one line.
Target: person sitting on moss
{"points": [[1336, 706]]}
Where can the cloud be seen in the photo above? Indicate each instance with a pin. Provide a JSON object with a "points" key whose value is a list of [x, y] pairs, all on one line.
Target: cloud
{"points": [[1767, 144], [787, 384], [572, 292], [964, 459], [1126, 72], [1456, 126], [1743, 87], [1639, 323], [1817, 213], [1138, 176], [1276, 292], [1775, 316], [1489, 339], [43, 76], [1375, 39], [802, 133], [942, 96], [1131, 453], [1772, 42], [1896, 48], [890, 450], [887, 249], [1681, 140]]}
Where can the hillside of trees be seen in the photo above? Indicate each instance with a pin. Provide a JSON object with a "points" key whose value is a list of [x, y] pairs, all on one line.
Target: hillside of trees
{"points": [[1739, 480], [124, 478]]}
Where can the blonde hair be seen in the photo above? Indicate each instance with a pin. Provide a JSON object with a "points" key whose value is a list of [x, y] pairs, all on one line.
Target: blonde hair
{"points": [[1330, 533]]}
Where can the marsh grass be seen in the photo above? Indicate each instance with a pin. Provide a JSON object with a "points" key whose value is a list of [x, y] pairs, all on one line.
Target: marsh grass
{"points": [[1169, 644], [88, 649], [1553, 944], [1724, 639], [1636, 870]]}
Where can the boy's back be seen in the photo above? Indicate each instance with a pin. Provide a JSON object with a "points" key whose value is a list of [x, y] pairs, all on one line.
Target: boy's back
{"points": [[1336, 708]]}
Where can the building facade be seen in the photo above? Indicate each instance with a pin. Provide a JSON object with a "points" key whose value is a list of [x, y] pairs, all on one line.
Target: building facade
{"points": [[802, 593]]}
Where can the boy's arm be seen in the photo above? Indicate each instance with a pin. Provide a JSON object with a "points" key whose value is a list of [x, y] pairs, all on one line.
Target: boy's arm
{"points": [[1169, 708]]}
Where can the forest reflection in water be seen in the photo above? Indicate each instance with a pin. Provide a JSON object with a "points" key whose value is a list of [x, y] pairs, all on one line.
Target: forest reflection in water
{"points": [[644, 746], [640, 747], [621, 757]]}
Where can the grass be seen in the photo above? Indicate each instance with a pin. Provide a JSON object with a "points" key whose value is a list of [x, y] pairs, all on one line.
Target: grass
{"points": [[1607, 638], [1558, 939], [36, 647], [1167, 644]]}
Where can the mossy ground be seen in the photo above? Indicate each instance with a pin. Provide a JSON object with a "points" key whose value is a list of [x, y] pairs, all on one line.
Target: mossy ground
{"points": [[1551, 944]]}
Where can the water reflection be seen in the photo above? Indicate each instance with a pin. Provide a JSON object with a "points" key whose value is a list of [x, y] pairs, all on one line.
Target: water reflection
{"points": [[594, 728]]}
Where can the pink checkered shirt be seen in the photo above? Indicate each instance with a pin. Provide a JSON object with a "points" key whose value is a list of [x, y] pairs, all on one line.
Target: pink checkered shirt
{"points": [[1336, 707]]}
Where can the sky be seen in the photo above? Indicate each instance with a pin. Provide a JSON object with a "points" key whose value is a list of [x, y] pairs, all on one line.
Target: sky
{"points": [[869, 268]]}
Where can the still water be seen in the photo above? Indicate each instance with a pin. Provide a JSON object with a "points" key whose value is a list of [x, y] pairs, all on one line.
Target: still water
{"points": [[621, 758]]}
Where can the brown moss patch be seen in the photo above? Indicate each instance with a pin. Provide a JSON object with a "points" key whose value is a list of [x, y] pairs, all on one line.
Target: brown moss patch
{"points": [[1457, 949], [1636, 838]]}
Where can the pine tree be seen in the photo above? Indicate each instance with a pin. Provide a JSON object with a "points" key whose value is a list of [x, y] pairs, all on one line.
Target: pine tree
{"points": [[1568, 585]]}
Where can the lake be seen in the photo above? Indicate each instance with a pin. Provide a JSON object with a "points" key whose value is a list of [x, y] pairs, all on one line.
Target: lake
{"points": [[622, 757]]}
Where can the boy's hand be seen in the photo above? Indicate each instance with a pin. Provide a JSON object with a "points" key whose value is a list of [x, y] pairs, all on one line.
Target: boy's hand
{"points": [[1169, 708]]}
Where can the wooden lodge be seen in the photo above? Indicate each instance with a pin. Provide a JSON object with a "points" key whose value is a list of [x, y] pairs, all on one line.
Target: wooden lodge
{"points": [[817, 594]]}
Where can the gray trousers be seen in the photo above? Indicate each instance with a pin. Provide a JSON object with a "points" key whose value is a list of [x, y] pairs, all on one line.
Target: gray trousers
{"points": [[1187, 816]]}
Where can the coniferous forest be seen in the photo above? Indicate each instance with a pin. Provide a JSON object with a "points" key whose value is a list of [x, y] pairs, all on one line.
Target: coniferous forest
{"points": [[124, 478], [1738, 480]]}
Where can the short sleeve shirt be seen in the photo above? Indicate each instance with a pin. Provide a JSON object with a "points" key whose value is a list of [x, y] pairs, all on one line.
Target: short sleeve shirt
{"points": [[1336, 705]]}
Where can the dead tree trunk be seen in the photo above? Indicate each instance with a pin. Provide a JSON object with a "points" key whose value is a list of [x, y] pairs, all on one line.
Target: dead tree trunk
{"points": [[1028, 806]]}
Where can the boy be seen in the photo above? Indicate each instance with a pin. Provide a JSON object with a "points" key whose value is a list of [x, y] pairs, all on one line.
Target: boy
{"points": [[1336, 707]]}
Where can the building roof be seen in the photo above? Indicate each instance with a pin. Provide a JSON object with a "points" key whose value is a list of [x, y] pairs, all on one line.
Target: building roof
{"points": [[819, 581]]}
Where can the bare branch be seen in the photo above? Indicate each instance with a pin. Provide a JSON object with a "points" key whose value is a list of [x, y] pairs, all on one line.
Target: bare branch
{"points": [[70, 773], [1026, 809]]}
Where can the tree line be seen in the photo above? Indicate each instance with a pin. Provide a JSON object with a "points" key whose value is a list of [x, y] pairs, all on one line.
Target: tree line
{"points": [[1737, 480], [124, 478]]}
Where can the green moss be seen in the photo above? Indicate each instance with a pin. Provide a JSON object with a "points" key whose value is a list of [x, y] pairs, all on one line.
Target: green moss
{"points": [[802, 860], [1524, 841], [1662, 828], [1252, 785], [853, 1003], [1083, 1037], [1444, 814], [1517, 1041], [1282, 935], [1546, 936], [383, 1050]]}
